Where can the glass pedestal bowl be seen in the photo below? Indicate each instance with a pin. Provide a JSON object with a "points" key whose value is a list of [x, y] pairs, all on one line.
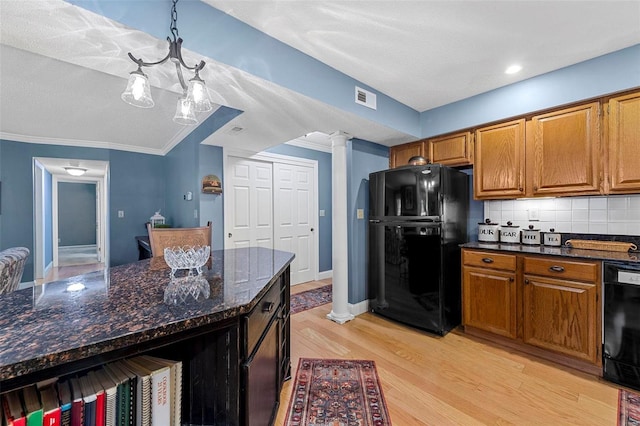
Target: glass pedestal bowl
{"points": [[187, 257]]}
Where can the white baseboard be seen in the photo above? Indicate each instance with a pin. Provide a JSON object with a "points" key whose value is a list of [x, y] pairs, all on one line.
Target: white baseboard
{"points": [[47, 269], [359, 308], [26, 284], [325, 274]]}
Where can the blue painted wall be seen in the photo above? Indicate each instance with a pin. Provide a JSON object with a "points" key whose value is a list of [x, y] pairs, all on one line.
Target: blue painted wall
{"points": [[324, 197], [187, 163], [362, 158], [211, 205], [181, 175], [207, 31], [137, 186], [76, 213], [606, 74]]}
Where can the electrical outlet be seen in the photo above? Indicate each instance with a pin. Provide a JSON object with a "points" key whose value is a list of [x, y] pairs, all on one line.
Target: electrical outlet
{"points": [[534, 214], [321, 212], [195, 213], [120, 213], [360, 213]]}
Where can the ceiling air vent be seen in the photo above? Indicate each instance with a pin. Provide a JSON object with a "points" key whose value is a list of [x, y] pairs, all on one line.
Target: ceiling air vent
{"points": [[235, 130], [366, 98]]}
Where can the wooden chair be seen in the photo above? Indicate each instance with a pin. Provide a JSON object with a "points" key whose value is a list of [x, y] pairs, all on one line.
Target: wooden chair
{"points": [[11, 268], [161, 238]]}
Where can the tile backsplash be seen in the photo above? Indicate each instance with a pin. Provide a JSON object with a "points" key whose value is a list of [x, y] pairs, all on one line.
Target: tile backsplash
{"points": [[618, 215]]}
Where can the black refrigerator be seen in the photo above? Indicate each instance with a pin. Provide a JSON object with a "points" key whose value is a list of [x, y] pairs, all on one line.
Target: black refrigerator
{"points": [[417, 220]]}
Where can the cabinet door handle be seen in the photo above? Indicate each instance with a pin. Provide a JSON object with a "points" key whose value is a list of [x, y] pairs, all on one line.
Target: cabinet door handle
{"points": [[511, 279], [526, 281], [556, 269], [230, 234], [487, 260], [268, 307], [520, 189]]}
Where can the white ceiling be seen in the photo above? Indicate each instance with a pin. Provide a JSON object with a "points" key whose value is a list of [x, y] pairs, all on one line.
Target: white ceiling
{"points": [[433, 52], [62, 68]]}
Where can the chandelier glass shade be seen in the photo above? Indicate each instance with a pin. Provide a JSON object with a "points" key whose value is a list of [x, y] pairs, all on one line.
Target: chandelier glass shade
{"points": [[185, 112], [138, 92], [195, 97]]}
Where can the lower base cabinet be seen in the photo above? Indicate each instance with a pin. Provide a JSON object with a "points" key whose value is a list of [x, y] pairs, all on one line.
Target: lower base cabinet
{"points": [[546, 305], [560, 315], [262, 393]]}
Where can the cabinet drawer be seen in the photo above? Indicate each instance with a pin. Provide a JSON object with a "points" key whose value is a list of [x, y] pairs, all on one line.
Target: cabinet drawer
{"points": [[581, 271], [506, 262], [258, 319]]}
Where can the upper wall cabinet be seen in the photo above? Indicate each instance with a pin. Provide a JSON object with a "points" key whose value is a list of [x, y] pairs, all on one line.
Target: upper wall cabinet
{"points": [[624, 144], [499, 169], [452, 150], [399, 155], [564, 152], [553, 154]]}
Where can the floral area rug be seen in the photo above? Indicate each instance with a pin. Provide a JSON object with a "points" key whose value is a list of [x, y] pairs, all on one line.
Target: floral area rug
{"points": [[331, 392], [310, 299], [628, 408]]}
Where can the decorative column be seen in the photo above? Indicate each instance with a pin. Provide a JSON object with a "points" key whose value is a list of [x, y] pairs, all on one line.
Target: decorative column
{"points": [[340, 247]]}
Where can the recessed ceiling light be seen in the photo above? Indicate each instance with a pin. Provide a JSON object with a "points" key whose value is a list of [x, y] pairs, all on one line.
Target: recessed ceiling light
{"points": [[513, 69], [75, 171]]}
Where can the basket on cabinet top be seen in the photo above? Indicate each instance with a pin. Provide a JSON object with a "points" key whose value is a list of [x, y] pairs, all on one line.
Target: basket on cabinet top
{"points": [[601, 245]]}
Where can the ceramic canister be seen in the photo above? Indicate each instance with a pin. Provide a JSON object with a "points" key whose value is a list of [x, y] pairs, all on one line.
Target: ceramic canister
{"points": [[552, 238], [531, 236], [488, 232], [509, 233]]}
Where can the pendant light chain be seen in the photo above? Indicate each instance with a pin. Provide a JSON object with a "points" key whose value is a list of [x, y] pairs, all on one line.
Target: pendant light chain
{"points": [[174, 21], [195, 97]]}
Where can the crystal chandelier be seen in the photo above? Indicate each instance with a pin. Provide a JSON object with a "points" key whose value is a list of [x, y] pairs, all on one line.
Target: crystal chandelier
{"points": [[195, 97]]}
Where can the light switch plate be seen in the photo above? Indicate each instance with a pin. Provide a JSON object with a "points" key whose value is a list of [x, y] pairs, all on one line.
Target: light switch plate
{"points": [[120, 213], [321, 212], [360, 213]]}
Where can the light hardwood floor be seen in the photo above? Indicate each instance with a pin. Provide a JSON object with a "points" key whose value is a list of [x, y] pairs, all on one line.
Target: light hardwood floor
{"points": [[451, 380]]}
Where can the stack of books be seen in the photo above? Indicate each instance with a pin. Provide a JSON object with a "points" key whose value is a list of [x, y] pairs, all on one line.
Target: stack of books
{"points": [[138, 391]]}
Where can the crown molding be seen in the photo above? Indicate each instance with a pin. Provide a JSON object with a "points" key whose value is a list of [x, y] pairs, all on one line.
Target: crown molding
{"points": [[309, 145], [80, 143]]}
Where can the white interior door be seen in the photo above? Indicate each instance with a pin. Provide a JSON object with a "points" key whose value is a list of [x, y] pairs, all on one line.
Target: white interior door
{"points": [[249, 221], [295, 223]]}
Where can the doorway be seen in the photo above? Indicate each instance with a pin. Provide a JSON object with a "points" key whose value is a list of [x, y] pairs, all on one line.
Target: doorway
{"points": [[271, 201], [70, 218]]}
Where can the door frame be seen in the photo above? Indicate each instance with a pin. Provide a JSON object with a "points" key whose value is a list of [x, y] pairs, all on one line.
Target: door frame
{"points": [[100, 213], [53, 165], [282, 159]]}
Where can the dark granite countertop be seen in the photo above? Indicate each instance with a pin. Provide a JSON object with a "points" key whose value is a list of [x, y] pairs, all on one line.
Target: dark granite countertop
{"points": [[131, 310], [633, 257]]}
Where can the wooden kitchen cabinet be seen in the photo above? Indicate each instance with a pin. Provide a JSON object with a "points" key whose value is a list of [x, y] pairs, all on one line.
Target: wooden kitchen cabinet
{"points": [[563, 152], [489, 292], [399, 155], [623, 117], [545, 305], [452, 150], [499, 162], [561, 305], [552, 154]]}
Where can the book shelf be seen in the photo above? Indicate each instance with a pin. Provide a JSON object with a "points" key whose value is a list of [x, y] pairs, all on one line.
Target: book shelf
{"points": [[234, 349]]}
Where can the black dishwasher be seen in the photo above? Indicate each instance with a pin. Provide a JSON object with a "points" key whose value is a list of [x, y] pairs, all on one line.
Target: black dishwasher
{"points": [[621, 323]]}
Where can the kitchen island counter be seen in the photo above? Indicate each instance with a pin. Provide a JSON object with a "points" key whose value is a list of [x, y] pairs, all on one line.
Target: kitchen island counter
{"points": [[129, 316]]}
